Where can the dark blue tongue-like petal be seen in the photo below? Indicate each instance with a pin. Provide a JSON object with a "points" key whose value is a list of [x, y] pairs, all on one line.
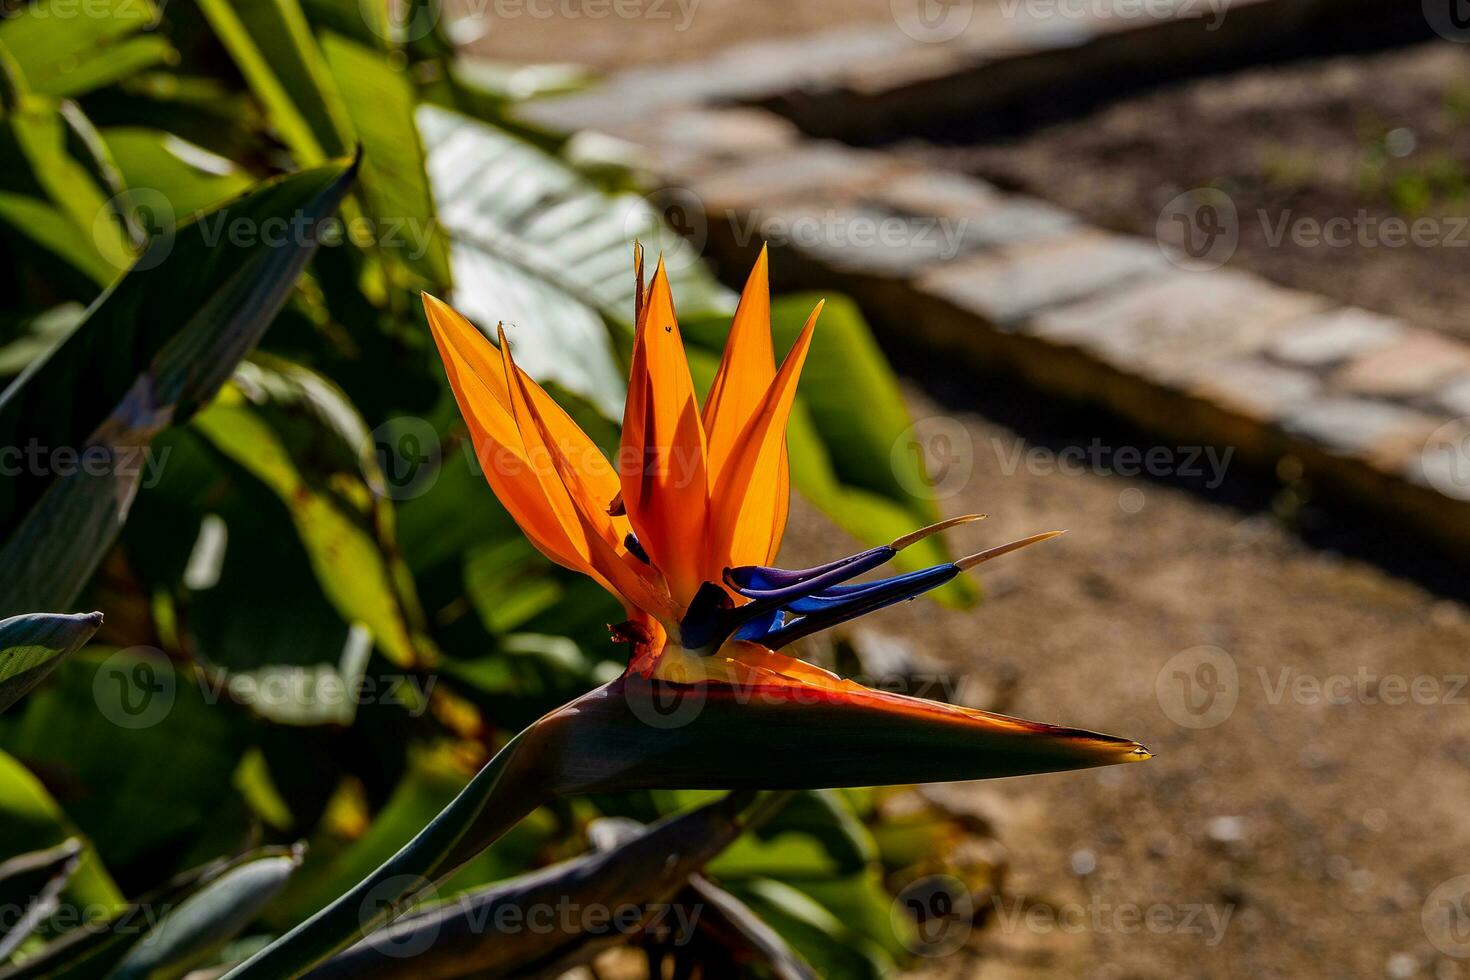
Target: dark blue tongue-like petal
{"points": [[767, 585], [754, 579], [786, 605], [842, 603]]}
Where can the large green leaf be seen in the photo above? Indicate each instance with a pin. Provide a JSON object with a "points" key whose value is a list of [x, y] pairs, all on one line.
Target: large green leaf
{"points": [[31, 646], [153, 348], [272, 45], [380, 102], [188, 177], [56, 192], [206, 920], [297, 433], [638, 868], [432, 781], [95, 950], [822, 939], [33, 821], [63, 48], [100, 728], [538, 246]]}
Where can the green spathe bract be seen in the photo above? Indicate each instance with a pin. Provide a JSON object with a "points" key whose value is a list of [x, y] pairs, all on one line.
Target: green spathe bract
{"points": [[646, 733]]}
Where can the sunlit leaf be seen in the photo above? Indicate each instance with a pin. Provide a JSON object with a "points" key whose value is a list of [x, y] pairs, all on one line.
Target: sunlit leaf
{"points": [[32, 646]]}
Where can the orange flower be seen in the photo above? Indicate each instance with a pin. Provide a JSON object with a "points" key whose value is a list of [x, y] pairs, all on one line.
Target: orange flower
{"points": [[683, 528], [681, 531]]}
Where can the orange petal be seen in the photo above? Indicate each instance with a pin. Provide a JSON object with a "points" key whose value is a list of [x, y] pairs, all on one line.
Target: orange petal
{"points": [[662, 462], [477, 377], [746, 369], [749, 501], [547, 434]]}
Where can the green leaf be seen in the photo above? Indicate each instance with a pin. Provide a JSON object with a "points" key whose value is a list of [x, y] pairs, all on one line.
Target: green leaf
{"points": [[272, 45], [61, 185], [190, 177], [431, 784], [33, 821], [640, 867], [538, 246], [380, 102], [32, 884], [157, 344], [834, 951], [101, 726], [342, 521], [93, 951], [209, 918], [31, 647], [65, 49], [737, 925]]}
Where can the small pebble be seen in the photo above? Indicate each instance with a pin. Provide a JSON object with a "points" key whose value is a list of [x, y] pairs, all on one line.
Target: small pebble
{"points": [[1084, 862], [1226, 830], [1402, 965]]}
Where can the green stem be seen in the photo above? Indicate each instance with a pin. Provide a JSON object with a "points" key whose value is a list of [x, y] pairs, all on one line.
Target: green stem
{"points": [[430, 856]]}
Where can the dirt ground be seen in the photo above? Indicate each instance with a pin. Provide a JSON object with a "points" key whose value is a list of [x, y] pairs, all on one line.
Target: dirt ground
{"points": [[1300, 835], [1359, 139]]}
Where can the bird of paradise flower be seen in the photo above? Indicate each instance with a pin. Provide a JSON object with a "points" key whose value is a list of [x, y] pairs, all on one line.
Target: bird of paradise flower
{"points": [[683, 531]]}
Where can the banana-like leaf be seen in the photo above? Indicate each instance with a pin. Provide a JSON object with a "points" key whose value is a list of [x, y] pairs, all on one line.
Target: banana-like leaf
{"points": [[538, 246], [208, 919], [344, 524], [105, 719], [818, 936], [743, 937], [32, 645], [189, 177], [152, 349], [725, 928], [62, 50], [644, 867], [56, 189], [54, 868], [272, 45], [201, 904], [33, 822], [380, 103]]}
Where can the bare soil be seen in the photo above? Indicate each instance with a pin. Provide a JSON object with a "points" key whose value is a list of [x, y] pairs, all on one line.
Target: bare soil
{"points": [[1300, 836], [1341, 145]]}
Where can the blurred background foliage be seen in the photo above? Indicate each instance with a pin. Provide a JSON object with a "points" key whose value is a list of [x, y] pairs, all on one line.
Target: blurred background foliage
{"points": [[306, 521]]}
